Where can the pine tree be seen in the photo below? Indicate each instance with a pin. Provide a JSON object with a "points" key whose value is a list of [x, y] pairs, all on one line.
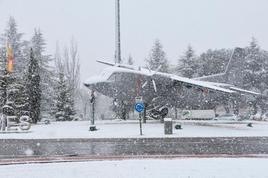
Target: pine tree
{"points": [[187, 63], [33, 88], [71, 67], [158, 58], [13, 38], [256, 74], [64, 102], [46, 72], [3, 77], [60, 100], [13, 84], [254, 66], [213, 62]]}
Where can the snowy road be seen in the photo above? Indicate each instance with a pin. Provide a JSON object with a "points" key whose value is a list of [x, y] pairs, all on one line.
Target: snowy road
{"points": [[156, 168]]}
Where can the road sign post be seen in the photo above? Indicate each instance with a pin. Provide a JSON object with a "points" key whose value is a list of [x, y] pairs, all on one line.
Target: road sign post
{"points": [[139, 107], [140, 123]]}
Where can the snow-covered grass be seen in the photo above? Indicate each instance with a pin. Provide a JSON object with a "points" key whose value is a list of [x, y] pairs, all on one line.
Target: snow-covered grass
{"points": [[130, 129], [150, 168]]}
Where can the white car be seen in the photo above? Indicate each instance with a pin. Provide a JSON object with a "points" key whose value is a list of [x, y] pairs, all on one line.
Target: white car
{"points": [[228, 117]]}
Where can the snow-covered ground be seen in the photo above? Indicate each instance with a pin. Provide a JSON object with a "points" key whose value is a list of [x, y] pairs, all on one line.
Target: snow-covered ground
{"points": [[176, 168], [130, 129]]}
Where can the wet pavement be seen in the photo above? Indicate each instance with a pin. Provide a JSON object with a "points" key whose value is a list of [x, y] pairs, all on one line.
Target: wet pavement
{"points": [[15, 148]]}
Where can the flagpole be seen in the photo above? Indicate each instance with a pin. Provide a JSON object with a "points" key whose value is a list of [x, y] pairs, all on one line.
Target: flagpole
{"points": [[117, 32]]}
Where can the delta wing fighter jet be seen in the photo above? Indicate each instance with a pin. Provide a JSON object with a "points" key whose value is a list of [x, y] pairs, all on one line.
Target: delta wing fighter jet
{"points": [[161, 91]]}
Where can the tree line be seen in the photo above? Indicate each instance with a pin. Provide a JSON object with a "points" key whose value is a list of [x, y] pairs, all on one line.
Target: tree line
{"points": [[41, 85], [48, 86], [253, 69]]}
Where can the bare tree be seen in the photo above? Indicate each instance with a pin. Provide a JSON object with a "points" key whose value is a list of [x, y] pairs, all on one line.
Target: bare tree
{"points": [[65, 100], [72, 66], [58, 60]]}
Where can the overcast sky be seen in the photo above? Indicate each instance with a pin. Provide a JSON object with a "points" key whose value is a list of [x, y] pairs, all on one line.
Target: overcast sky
{"points": [[202, 23]]}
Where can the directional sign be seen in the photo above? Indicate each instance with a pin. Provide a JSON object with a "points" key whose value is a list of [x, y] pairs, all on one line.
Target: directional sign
{"points": [[138, 99], [139, 107]]}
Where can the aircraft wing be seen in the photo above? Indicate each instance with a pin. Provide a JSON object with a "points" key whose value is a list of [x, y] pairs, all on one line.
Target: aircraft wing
{"points": [[204, 85], [195, 83], [226, 88], [233, 88], [213, 86], [240, 90]]}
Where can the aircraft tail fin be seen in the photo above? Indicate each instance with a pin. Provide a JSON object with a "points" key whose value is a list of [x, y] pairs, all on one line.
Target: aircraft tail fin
{"points": [[232, 74], [238, 56]]}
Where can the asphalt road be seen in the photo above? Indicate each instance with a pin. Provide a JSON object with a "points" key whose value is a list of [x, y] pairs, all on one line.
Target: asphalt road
{"points": [[16, 148]]}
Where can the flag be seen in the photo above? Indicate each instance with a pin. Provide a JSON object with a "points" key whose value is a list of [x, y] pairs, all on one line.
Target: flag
{"points": [[10, 59]]}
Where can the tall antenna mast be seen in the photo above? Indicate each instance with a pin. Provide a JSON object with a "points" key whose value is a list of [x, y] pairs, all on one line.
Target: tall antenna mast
{"points": [[117, 32]]}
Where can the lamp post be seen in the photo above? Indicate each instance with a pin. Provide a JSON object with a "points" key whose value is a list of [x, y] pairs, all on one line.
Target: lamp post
{"points": [[92, 126]]}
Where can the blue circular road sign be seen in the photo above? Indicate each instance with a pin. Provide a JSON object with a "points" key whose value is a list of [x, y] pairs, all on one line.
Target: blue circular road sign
{"points": [[139, 107]]}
